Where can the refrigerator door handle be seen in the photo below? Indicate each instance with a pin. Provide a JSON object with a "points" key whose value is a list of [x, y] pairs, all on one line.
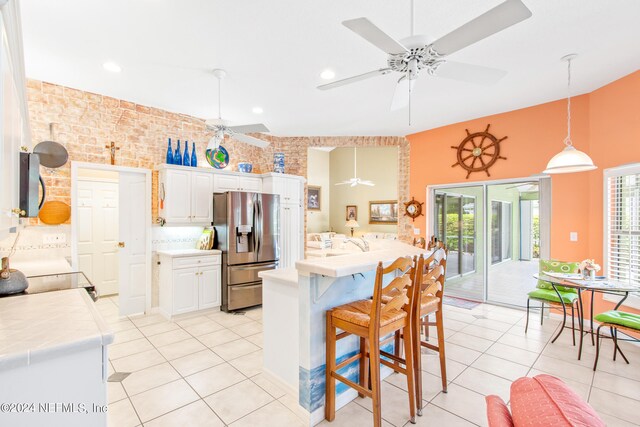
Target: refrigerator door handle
{"points": [[258, 225]]}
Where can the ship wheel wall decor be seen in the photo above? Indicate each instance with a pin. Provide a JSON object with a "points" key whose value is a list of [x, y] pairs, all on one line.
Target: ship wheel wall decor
{"points": [[478, 152]]}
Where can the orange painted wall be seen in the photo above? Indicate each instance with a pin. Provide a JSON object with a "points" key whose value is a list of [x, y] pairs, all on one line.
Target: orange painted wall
{"points": [[605, 124]]}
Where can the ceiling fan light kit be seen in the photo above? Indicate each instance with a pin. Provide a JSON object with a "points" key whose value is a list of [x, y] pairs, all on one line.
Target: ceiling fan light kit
{"points": [[569, 160], [417, 53]]}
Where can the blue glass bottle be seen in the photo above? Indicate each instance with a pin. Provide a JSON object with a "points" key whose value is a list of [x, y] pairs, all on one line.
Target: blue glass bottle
{"points": [[194, 159], [177, 156], [169, 153], [186, 160]]}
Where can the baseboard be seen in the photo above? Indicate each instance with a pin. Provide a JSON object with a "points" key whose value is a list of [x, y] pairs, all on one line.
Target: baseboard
{"points": [[290, 390]]}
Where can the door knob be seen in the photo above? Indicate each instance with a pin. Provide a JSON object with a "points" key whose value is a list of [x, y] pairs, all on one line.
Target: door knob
{"points": [[121, 244], [18, 212]]}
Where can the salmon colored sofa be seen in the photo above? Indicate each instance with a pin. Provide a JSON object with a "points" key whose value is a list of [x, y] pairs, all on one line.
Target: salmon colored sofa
{"points": [[541, 401]]}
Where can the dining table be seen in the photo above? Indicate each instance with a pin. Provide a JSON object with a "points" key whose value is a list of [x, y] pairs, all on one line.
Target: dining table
{"points": [[601, 285]]}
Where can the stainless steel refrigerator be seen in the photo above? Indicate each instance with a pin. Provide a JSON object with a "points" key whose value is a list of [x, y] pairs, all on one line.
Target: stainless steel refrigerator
{"points": [[247, 228]]}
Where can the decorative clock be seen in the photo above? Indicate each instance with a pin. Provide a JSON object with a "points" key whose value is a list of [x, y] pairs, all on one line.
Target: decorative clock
{"points": [[478, 151], [413, 209]]}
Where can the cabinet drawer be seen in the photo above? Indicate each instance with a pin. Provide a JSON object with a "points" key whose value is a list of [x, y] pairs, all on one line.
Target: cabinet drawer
{"points": [[195, 261]]}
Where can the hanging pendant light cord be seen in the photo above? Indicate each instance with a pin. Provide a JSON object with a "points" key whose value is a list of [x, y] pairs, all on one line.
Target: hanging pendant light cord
{"points": [[567, 140]]}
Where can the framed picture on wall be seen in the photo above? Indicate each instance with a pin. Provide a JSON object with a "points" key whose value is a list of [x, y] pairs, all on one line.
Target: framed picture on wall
{"points": [[313, 198], [352, 212], [383, 212]]}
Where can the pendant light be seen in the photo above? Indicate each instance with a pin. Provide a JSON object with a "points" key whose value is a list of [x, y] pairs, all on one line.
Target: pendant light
{"points": [[570, 159]]}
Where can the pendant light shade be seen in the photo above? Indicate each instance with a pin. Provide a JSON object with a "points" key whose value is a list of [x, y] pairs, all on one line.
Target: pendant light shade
{"points": [[569, 160]]}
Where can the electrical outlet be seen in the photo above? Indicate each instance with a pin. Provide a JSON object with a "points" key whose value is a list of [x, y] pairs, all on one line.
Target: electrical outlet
{"points": [[416, 231], [54, 238], [573, 236]]}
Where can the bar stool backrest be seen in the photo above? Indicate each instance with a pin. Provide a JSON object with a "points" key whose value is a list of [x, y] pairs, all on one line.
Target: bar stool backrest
{"points": [[400, 289]]}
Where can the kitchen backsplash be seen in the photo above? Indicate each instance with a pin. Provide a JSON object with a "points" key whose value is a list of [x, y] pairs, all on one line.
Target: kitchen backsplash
{"points": [[174, 237]]}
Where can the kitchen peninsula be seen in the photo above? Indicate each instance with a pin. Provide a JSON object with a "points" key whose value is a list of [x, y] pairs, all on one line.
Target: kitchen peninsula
{"points": [[294, 304]]}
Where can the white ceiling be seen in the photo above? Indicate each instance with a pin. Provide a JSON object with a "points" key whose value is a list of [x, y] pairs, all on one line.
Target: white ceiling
{"points": [[274, 52]]}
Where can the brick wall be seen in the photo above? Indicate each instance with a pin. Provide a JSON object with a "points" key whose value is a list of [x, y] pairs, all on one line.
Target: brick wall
{"points": [[85, 122]]}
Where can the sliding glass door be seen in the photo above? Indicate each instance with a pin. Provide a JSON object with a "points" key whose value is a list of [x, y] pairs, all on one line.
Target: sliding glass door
{"points": [[456, 220], [492, 256]]}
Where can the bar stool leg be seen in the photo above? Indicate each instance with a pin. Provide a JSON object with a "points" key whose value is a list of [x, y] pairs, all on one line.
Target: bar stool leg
{"points": [[364, 365], [443, 359], [374, 361], [330, 383], [411, 371], [417, 364]]}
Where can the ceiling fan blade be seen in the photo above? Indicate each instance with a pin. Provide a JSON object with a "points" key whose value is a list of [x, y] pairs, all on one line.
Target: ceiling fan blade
{"points": [[469, 73], [401, 95], [343, 183], [497, 19], [374, 35], [354, 79], [249, 140], [354, 183], [369, 183], [254, 128]]}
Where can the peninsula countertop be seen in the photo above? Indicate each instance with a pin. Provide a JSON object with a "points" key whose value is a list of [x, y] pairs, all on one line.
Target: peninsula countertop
{"points": [[357, 262], [39, 327]]}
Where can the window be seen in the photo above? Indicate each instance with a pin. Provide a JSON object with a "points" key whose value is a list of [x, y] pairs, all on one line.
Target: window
{"points": [[622, 225]]}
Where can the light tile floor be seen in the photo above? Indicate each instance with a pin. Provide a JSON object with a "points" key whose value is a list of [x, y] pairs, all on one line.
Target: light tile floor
{"points": [[205, 370]]}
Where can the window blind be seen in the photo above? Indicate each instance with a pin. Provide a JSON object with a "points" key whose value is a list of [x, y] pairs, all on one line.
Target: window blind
{"points": [[623, 227]]}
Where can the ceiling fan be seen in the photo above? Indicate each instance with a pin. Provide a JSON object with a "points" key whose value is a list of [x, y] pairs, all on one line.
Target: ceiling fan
{"points": [[221, 127], [412, 55], [355, 180]]}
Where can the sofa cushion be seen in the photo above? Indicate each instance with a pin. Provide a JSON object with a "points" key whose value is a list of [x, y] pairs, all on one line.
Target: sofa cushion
{"points": [[546, 401], [497, 412], [556, 267], [551, 295], [621, 318]]}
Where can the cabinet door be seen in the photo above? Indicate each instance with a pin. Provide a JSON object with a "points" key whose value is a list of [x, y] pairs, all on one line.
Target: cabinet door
{"points": [[251, 184], [177, 201], [209, 287], [222, 183], [292, 191], [201, 197], [185, 290], [285, 236]]}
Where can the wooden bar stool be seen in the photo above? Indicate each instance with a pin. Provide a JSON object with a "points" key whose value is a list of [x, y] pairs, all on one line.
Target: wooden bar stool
{"points": [[430, 302], [370, 320]]}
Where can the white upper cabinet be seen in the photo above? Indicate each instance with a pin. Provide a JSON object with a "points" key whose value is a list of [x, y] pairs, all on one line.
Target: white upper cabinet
{"points": [[14, 121], [185, 196], [201, 197], [289, 187], [223, 183]]}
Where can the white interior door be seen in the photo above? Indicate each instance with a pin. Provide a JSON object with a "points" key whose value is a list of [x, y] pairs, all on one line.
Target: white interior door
{"points": [[133, 251], [98, 234]]}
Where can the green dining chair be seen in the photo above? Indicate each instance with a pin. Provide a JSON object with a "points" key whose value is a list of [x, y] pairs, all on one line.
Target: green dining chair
{"points": [[545, 294], [616, 320]]}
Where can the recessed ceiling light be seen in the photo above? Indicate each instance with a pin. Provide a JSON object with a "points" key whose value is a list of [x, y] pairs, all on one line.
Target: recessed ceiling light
{"points": [[111, 66], [257, 110], [327, 74]]}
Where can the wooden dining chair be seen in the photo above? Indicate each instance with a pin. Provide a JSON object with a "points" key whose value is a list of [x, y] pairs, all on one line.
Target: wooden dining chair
{"points": [[372, 320]]}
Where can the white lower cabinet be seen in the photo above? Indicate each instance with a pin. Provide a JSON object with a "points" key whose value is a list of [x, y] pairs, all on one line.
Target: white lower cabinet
{"points": [[189, 282]]}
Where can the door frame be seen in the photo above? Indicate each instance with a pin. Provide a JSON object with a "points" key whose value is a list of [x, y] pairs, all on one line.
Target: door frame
{"points": [[545, 210], [75, 166]]}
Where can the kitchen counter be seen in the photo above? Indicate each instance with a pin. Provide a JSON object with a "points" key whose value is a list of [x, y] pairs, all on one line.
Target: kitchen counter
{"points": [[175, 253], [357, 262], [53, 351], [39, 327]]}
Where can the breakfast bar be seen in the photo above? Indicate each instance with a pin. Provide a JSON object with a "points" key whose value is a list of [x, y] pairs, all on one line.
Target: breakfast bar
{"points": [[294, 337]]}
